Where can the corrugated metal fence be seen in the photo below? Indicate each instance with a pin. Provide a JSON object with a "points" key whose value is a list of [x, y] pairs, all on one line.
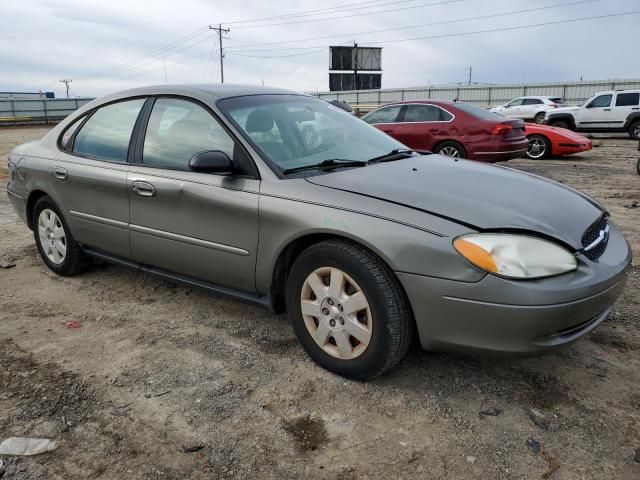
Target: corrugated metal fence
{"points": [[16, 111], [484, 96]]}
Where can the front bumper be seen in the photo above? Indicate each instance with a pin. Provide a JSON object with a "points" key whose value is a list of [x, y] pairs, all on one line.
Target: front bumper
{"points": [[503, 315]]}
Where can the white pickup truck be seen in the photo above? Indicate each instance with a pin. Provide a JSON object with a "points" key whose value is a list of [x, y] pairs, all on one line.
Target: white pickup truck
{"points": [[612, 111]]}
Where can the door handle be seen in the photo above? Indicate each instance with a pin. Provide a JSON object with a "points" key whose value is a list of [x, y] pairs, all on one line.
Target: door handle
{"points": [[606, 110], [434, 130], [60, 173], [387, 131], [635, 108], [144, 189]]}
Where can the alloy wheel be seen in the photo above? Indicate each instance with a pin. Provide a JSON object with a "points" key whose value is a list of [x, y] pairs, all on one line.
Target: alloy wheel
{"points": [[450, 152], [537, 148], [52, 236], [636, 131], [336, 313]]}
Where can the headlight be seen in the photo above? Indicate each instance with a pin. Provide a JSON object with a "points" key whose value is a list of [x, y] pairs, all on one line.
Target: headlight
{"points": [[515, 256]]}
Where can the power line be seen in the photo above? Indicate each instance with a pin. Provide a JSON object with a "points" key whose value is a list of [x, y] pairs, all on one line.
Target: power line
{"points": [[476, 32], [444, 22], [150, 55], [306, 13], [443, 2]]}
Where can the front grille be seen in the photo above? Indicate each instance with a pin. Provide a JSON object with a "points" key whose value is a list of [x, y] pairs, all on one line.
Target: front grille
{"points": [[592, 234]]}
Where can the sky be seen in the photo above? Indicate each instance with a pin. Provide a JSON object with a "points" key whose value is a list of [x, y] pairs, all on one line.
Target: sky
{"points": [[109, 46]]}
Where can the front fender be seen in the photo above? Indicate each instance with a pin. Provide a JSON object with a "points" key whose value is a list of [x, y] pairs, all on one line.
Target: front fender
{"points": [[403, 247]]}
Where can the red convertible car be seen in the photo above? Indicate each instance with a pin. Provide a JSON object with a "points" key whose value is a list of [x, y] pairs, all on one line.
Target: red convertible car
{"points": [[456, 129], [545, 141]]}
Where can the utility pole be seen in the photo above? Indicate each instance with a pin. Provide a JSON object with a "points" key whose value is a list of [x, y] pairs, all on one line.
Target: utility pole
{"points": [[66, 84], [355, 65], [470, 72], [220, 31]]}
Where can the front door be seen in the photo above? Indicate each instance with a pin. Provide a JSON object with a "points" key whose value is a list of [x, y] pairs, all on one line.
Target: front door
{"points": [[596, 114], [90, 176], [199, 225]]}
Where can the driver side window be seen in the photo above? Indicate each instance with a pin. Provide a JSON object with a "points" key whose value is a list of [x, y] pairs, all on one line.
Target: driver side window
{"points": [[603, 101], [177, 130], [515, 103]]}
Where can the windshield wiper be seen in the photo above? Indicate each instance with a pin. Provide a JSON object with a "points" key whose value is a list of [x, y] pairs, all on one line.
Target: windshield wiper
{"points": [[324, 165], [395, 154]]}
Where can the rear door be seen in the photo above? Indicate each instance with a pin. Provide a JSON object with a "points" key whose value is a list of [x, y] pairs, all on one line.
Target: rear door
{"points": [[530, 107], [90, 176], [194, 224], [596, 114], [624, 105], [420, 125], [385, 118]]}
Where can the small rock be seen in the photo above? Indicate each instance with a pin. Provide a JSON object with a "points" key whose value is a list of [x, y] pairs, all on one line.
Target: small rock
{"points": [[533, 445], [539, 418], [5, 264], [637, 457], [491, 411], [471, 459], [193, 448]]}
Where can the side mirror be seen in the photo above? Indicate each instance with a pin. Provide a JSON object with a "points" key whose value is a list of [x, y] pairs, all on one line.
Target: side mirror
{"points": [[211, 161]]}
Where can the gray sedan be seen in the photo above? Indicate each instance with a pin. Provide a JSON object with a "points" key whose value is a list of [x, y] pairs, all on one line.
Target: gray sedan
{"points": [[366, 244]]}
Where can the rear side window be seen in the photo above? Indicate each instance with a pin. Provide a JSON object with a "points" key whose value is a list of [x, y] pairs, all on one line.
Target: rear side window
{"points": [[65, 138], [423, 113], [177, 130], [383, 115], [628, 100], [106, 135], [532, 101]]}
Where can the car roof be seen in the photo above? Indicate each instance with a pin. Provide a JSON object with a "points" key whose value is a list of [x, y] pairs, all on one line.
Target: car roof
{"points": [[225, 90]]}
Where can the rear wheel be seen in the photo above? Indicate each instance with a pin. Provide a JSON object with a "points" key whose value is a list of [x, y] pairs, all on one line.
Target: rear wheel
{"points": [[539, 147], [539, 118], [55, 243], [348, 310], [451, 149], [634, 130]]}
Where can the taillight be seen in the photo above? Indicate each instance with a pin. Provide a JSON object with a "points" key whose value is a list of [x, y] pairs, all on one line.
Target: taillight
{"points": [[502, 129], [553, 105]]}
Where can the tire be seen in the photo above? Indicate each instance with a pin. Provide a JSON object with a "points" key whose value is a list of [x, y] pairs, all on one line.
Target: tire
{"points": [[634, 130], [561, 124], [449, 147], [539, 118], [50, 231], [385, 324], [638, 166], [539, 147]]}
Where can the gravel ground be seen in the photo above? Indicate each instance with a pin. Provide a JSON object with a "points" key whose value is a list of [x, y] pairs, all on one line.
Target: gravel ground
{"points": [[163, 382]]}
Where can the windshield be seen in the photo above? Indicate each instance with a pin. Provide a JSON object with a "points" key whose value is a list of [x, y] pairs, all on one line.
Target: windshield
{"points": [[292, 131]]}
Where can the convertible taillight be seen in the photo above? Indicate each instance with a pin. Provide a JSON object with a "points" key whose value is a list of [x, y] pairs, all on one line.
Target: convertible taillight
{"points": [[502, 129]]}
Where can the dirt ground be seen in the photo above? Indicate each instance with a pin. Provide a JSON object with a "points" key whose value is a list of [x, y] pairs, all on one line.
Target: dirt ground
{"points": [[165, 382]]}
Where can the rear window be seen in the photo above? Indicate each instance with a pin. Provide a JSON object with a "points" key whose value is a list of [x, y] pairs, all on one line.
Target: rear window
{"points": [[627, 99], [557, 100], [478, 112]]}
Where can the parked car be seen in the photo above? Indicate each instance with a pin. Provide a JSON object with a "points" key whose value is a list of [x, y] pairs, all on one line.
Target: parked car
{"points": [[363, 242], [529, 108], [612, 111], [545, 141], [455, 129]]}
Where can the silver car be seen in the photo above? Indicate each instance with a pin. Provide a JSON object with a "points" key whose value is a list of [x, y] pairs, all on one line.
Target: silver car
{"points": [[529, 108], [365, 243]]}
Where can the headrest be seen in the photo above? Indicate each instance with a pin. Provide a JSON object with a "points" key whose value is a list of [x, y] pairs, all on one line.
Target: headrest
{"points": [[259, 121]]}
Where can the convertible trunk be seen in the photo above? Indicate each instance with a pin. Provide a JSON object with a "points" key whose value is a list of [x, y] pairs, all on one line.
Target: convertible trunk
{"points": [[484, 197]]}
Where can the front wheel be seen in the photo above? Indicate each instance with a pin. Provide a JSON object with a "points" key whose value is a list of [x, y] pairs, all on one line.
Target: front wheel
{"points": [[539, 147], [348, 310]]}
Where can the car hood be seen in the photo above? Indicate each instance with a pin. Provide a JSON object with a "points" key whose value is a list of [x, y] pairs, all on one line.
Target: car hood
{"points": [[481, 196]]}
